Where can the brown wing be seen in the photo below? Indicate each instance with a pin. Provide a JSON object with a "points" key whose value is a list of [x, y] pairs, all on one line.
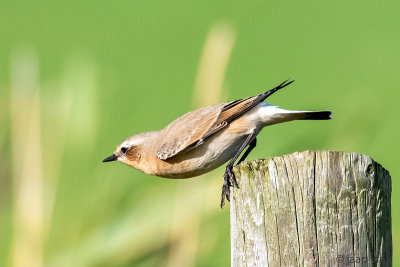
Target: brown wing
{"points": [[186, 130], [190, 130]]}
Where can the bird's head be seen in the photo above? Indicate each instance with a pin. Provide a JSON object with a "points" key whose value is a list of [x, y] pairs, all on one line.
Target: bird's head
{"points": [[127, 152], [131, 150]]}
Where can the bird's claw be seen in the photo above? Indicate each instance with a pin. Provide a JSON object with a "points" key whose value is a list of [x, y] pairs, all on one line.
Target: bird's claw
{"points": [[229, 180], [226, 193], [232, 180]]}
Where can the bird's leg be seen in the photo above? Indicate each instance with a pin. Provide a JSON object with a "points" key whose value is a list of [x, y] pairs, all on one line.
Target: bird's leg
{"points": [[229, 177], [252, 145]]}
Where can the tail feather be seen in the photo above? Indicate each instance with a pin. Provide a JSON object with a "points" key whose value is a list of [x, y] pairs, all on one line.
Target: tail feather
{"points": [[269, 114], [317, 115]]}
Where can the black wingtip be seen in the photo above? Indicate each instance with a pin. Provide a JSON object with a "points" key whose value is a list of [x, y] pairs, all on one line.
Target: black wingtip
{"points": [[280, 86], [285, 83]]}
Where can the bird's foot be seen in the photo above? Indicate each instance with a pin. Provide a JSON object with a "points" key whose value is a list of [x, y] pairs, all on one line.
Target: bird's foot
{"points": [[229, 180], [229, 175], [226, 193]]}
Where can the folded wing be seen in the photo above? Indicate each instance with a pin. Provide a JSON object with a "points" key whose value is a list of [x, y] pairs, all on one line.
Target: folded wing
{"points": [[190, 130]]}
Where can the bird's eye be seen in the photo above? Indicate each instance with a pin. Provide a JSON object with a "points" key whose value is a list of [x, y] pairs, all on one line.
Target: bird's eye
{"points": [[123, 150]]}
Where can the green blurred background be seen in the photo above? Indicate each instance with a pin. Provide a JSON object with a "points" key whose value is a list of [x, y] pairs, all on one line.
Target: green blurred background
{"points": [[78, 77]]}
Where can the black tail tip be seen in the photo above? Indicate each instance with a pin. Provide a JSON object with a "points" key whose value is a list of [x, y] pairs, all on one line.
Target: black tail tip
{"points": [[318, 115]]}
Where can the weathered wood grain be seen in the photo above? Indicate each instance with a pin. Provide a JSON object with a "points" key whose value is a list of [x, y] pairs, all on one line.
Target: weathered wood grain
{"points": [[314, 208]]}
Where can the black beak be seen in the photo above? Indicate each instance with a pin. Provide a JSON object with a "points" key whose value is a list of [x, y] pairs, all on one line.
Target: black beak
{"points": [[110, 158]]}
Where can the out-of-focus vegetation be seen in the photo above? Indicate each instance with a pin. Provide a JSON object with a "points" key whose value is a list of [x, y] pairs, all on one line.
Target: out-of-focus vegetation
{"points": [[76, 78]]}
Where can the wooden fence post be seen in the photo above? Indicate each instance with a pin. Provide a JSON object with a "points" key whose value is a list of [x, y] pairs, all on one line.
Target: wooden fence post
{"points": [[314, 208]]}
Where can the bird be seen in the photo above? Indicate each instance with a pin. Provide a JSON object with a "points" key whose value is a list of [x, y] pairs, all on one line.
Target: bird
{"points": [[206, 138]]}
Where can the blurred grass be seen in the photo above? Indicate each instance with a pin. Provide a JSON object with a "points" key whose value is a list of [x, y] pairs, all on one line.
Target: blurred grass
{"points": [[26, 150], [108, 70]]}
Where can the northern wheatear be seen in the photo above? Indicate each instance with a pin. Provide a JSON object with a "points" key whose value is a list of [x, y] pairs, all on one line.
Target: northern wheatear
{"points": [[206, 138]]}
